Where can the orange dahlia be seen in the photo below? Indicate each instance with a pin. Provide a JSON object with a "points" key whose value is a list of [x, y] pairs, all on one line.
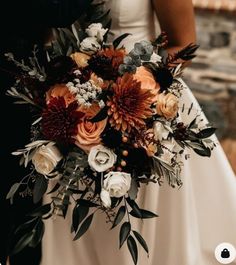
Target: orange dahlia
{"points": [[130, 105]]}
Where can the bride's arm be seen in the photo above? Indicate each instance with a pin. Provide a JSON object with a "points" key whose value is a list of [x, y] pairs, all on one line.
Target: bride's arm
{"points": [[176, 18]]}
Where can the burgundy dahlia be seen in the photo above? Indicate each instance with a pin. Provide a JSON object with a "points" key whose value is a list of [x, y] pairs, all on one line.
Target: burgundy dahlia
{"points": [[59, 122]]}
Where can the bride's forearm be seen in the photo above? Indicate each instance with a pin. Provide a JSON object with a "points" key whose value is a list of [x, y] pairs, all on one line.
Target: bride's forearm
{"points": [[176, 18]]}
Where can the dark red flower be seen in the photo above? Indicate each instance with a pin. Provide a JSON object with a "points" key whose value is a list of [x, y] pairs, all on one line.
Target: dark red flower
{"points": [[106, 62], [59, 122]]}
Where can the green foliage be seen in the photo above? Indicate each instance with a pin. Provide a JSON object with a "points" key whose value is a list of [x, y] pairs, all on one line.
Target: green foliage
{"points": [[84, 226], [119, 216], [124, 232]]}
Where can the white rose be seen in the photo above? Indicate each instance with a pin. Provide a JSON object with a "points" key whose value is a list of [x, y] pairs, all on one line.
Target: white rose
{"points": [[96, 30], [90, 45], [46, 158], [160, 131], [117, 183], [101, 158], [105, 198]]}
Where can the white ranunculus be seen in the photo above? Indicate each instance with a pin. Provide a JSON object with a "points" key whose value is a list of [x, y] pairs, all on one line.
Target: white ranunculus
{"points": [[90, 45], [160, 132], [96, 30], [105, 198], [117, 183], [101, 158], [46, 158]]}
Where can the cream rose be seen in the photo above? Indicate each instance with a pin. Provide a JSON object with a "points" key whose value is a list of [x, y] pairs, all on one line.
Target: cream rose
{"points": [[167, 105], [46, 158], [89, 132], [101, 158], [105, 198], [90, 45], [117, 183], [96, 30]]}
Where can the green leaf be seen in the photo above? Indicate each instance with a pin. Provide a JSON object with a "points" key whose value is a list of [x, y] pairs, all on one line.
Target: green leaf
{"points": [[133, 190], [205, 133], [141, 241], [102, 114], [79, 213], [205, 152], [119, 39], [135, 207], [87, 203], [40, 187], [145, 214], [120, 215], [42, 210], [84, 227], [23, 242], [27, 225], [38, 234], [12, 190], [132, 246], [124, 232], [55, 188]]}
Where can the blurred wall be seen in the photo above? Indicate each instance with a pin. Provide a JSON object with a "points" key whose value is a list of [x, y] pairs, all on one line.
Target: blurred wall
{"points": [[212, 75]]}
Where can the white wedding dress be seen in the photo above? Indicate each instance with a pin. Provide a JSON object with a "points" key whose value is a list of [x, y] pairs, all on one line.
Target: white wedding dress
{"points": [[192, 220]]}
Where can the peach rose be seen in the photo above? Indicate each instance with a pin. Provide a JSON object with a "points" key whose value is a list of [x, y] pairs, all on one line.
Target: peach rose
{"points": [[89, 132], [167, 105], [147, 80], [60, 90], [80, 58]]}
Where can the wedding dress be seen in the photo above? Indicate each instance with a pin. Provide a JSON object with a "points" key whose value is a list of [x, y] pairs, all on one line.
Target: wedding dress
{"points": [[192, 220]]}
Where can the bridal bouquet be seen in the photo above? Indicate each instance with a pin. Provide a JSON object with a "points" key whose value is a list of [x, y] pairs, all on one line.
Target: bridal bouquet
{"points": [[106, 122]]}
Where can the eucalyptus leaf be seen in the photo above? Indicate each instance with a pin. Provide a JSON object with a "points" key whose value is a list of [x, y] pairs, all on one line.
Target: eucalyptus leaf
{"points": [[124, 232]]}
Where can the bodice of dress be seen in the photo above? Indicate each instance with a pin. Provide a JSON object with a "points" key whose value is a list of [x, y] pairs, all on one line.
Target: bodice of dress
{"points": [[135, 17]]}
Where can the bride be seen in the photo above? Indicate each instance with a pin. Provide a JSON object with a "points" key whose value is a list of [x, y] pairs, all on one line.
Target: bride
{"points": [[192, 220]]}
